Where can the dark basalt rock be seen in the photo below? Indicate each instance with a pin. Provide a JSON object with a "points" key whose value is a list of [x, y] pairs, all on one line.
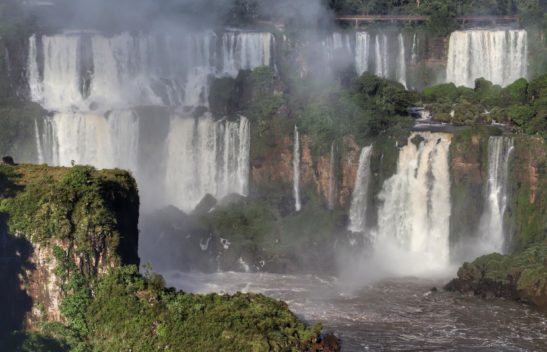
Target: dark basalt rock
{"points": [[519, 277], [326, 343], [206, 204], [8, 160]]}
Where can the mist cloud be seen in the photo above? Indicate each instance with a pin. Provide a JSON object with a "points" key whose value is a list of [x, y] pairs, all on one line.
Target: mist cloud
{"points": [[145, 14]]}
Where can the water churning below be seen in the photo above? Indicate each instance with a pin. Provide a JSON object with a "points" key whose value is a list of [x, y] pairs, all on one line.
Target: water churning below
{"points": [[413, 220], [394, 315]]}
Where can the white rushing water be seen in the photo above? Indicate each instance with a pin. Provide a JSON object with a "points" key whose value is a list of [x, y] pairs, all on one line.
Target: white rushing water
{"points": [[359, 201], [492, 230], [103, 141], [206, 157], [500, 56], [93, 85], [296, 170], [372, 53], [337, 44], [413, 221], [391, 315]]}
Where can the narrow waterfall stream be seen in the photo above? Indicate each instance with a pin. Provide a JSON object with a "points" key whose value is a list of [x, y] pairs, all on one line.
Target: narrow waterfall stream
{"points": [[492, 229], [296, 170], [359, 202]]}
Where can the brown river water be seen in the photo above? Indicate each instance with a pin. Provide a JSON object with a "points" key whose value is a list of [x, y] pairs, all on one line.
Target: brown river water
{"points": [[391, 315]]}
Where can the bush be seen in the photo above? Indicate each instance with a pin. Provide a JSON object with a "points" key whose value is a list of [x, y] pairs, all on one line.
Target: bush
{"points": [[520, 115], [516, 92], [442, 92]]}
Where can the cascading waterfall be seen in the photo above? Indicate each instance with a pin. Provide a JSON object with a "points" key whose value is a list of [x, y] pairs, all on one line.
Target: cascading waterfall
{"points": [[206, 157], [103, 141], [244, 51], [372, 54], [414, 53], [359, 202], [93, 84], [492, 231], [337, 44], [296, 170], [401, 60], [380, 54], [362, 51], [413, 221], [500, 56]]}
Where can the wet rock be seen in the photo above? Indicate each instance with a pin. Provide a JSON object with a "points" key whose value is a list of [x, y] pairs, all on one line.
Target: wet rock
{"points": [[206, 204], [519, 277], [8, 160], [326, 343], [233, 199]]}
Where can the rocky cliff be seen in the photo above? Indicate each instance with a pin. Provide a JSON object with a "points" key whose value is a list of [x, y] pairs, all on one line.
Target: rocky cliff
{"points": [[57, 223]]}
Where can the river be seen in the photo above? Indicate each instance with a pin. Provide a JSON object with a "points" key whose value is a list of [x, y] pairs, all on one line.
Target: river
{"points": [[391, 315]]}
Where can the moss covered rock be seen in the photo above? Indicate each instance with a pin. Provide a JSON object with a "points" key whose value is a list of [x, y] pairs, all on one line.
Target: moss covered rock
{"points": [[60, 224], [521, 276]]}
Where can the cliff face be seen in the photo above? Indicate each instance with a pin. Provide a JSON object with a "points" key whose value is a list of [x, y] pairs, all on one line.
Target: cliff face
{"points": [[330, 177], [57, 224], [528, 198], [468, 154]]}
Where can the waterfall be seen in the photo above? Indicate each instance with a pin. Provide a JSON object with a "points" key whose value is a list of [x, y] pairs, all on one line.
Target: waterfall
{"points": [[414, 54], [296, 170], [492, 231], [362, 51], [380, 43], [105, 142], [93, 86], [372, 53], [337, 44], [244, 51], [332, 177], [135, 70], [401, 60], [413, 221], [500, 56], [359, 202], [206, 157]]}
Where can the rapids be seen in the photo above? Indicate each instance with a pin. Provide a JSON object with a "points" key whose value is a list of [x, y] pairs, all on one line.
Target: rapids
{"points": [[394, 315]]}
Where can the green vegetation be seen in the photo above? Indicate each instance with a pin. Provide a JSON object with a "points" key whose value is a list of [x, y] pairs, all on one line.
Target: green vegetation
{"points": [[83, 222], [522, 104], [468, 153], [444, 10], [32, 342], [129, 311], [528, 198], [258, 232], [370, 107], [521, 276]]}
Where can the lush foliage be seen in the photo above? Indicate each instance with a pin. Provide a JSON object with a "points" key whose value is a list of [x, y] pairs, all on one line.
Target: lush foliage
{"points": [[528, 199], [371, 106], [129, 311], [79, 216], [522, 104], [520, 276]]}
